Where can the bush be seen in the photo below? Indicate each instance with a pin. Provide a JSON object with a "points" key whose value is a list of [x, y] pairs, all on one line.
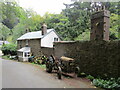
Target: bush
{"points": [[90, 77], [107, 84], [9, 49]]}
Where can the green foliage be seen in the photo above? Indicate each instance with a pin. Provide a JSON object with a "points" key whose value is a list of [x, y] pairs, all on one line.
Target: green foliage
{"points": [[4, 32], [85, 36], [6, 57], [107, 84], [78, 19], [43, 66], [11, 12], [110, 83], [90, 77], [73, 23], [114, 24], [9, 49]]}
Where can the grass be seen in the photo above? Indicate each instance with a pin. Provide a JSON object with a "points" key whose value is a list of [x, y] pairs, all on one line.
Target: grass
{"points": [[6, 57], [43, 66]]}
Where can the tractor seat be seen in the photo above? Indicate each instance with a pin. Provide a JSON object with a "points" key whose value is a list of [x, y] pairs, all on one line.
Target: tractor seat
{"points": [[66, 58]]}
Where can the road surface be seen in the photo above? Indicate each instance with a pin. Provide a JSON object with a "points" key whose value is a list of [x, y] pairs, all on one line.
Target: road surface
{"points": [[24, 75], [0, 72]]}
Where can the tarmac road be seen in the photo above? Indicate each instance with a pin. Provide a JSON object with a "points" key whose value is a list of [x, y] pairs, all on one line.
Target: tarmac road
{"points": [[23, 75], [0, 72]]}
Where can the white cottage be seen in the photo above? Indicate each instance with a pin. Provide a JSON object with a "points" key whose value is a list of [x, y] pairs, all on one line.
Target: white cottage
{"points": [[32, 42]]}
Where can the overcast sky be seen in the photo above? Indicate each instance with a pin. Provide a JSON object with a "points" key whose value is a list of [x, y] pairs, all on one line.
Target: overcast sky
{"points": [[42, 6]]}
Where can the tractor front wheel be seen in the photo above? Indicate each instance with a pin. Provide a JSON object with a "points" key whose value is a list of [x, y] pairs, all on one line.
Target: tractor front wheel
{"points": [[59, 73], [48, 67], [77, 71]]}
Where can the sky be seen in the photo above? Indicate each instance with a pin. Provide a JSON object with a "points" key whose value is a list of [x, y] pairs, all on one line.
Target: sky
{"points": [[43, 6]]}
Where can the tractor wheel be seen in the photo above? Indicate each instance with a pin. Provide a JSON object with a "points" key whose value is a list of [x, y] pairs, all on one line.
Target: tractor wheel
{"points": [[48, 67], [77, 71], [59, 73]]}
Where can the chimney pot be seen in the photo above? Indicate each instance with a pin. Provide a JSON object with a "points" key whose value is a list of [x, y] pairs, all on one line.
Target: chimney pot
{"points": [[27, 30]]}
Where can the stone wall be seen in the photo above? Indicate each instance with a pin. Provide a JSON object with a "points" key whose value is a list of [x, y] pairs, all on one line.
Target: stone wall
{"points": [[95, 58], [20, 44], [47, 51], [35, 46], [33, 43]]}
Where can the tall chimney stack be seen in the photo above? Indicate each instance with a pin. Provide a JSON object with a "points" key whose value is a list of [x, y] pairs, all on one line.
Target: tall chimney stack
{"points": [[100, 23], [44, 29]]}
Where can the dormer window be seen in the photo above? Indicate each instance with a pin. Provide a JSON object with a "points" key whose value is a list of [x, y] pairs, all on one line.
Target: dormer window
{"points": [[55, 39]]}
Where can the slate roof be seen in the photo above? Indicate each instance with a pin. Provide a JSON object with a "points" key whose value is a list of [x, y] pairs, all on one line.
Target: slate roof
{"points": [[34, 35], [24, 49]]}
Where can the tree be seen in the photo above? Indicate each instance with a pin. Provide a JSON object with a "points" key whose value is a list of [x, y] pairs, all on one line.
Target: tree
{"points": [[78, 15], [73, 23], [10, 13], [114, 24]]}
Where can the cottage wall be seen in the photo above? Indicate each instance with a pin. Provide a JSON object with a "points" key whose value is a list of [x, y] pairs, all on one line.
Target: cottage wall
{"points": [[48, 40], [33, 43], [20, 44], [95, 58]]}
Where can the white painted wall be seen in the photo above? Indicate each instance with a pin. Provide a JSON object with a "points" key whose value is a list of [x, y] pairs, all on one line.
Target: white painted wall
{"points": [[48, 40]]}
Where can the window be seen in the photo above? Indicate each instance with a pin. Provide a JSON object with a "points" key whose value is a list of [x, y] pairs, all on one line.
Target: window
{"points": [[26, 42], [55, 39], [20, 44], [27, 54]]}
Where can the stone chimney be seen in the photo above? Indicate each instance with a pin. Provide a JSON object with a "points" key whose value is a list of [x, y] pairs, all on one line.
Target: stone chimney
{"points": [[100, 23], [27, 30], [44, 29]]}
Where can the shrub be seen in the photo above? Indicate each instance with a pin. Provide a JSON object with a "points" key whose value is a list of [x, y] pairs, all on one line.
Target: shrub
{"points": [[9, 49], [107, 84], [90, 77]]}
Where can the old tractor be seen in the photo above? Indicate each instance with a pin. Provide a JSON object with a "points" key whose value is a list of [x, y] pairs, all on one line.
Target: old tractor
{"points": [[63, 65]]}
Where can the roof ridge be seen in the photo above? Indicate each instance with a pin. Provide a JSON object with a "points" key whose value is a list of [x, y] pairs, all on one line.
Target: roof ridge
{"points": [[37, 34]]}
